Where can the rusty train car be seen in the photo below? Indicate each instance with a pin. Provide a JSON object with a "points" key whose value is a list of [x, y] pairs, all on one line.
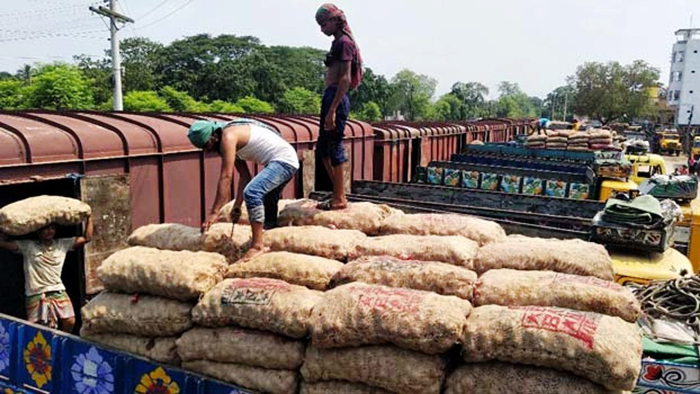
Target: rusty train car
{"points": [[139, 168]]}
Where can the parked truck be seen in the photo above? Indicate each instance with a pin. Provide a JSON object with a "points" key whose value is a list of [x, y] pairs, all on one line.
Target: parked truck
{"points": [[546, 194]]}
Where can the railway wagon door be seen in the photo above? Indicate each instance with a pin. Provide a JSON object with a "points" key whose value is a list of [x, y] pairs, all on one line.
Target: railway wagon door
{"points": [[12, 300]]}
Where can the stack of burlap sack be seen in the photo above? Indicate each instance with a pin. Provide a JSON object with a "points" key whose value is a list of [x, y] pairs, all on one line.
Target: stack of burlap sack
{"points": [[148, 298], [578, 141], [558, 139], [536, 141], [600, 139], [373, 300], [548, 316]]}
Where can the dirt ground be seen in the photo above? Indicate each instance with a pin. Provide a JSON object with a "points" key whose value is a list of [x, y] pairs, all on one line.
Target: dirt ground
{"points": [[674, 161]]}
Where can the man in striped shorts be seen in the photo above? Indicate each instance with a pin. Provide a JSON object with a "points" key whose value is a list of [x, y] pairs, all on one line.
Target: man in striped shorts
{"points": [[47, 302]]}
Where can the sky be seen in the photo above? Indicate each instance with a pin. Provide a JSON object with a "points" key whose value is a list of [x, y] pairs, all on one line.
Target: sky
{"points": [[535, 43]]}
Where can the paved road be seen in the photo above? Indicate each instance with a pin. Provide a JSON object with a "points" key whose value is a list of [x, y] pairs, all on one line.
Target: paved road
{"points": [[672, 162]]}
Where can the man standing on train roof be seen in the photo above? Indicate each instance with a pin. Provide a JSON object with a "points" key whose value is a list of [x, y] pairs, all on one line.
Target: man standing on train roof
{"points": [[237, 142], [344, 73]]}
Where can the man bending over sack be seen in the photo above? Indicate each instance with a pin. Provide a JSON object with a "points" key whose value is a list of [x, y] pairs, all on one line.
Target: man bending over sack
{"points": [[47, 301], [247, 140]]}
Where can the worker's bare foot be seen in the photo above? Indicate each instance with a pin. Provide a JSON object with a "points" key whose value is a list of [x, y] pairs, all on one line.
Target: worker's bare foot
{"points": [[332, 205], [254, 252]]}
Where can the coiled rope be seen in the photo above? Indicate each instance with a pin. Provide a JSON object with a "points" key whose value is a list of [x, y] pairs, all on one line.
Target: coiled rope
{"points": [[678, 299]]}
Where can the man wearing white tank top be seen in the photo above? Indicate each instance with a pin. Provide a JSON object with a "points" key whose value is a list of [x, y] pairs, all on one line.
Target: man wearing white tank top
{"points": [[237, 142]]}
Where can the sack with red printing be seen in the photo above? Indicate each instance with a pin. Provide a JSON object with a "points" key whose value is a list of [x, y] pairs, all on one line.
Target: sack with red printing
{"points": [[605, 349], [360, 314]]}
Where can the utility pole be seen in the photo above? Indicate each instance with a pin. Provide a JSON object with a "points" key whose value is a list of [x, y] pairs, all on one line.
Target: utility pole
{"points": [[114, 18]]}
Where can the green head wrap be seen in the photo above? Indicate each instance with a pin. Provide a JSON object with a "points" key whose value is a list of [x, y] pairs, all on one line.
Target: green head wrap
{"points": [[201, 131]]}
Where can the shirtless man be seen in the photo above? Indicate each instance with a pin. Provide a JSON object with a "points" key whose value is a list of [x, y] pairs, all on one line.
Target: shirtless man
{"points": [[239, 141], [344, 73]]}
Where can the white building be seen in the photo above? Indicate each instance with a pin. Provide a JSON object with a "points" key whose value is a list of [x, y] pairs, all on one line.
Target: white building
{"points": [[684, 84]]}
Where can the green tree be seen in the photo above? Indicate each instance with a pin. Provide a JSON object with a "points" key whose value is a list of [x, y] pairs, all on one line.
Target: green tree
{"points": [[145, 101], [558, 101], [12, 94], [370, 112], [472, 96], [197, 65], [26, 73], [610, 91], [412, 93], [300, 101], [99, 74], [374, 88], [181, 101], [141, 59], [513, 102], [439, 111], [60, 86], [223, 107], [255, 106], [303, 67]]}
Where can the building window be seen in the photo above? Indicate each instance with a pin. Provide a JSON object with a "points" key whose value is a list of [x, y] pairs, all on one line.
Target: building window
{"points": [[673, 57], [676, 76], [679, 57], [676, 95]]}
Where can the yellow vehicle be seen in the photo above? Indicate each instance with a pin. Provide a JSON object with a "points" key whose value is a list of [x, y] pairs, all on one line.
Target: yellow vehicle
{"points": [[645, 166], [687, 231], [643, 267], [610, 187], [696, 148], [669, 142]]}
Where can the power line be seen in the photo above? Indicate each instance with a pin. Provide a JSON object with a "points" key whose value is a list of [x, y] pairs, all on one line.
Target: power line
{"points": [[162, 3], [85, 34], [166, 16]]}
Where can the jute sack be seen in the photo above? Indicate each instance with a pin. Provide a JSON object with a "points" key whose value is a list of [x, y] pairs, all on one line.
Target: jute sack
{"points": [[546, 288], [388, 367], [455, 250], [338, 387], [604, 349], [363, 216], [258, 303], [168, 236], [162, 350], [313, 240], [218, 239], [31, 214], [225, 212], [179, 275], [273, 381], [360, 314], [479, 230], [144, 315], [441, 278], [498, 378], [240, 346], [298, 269], [537, 254]]}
